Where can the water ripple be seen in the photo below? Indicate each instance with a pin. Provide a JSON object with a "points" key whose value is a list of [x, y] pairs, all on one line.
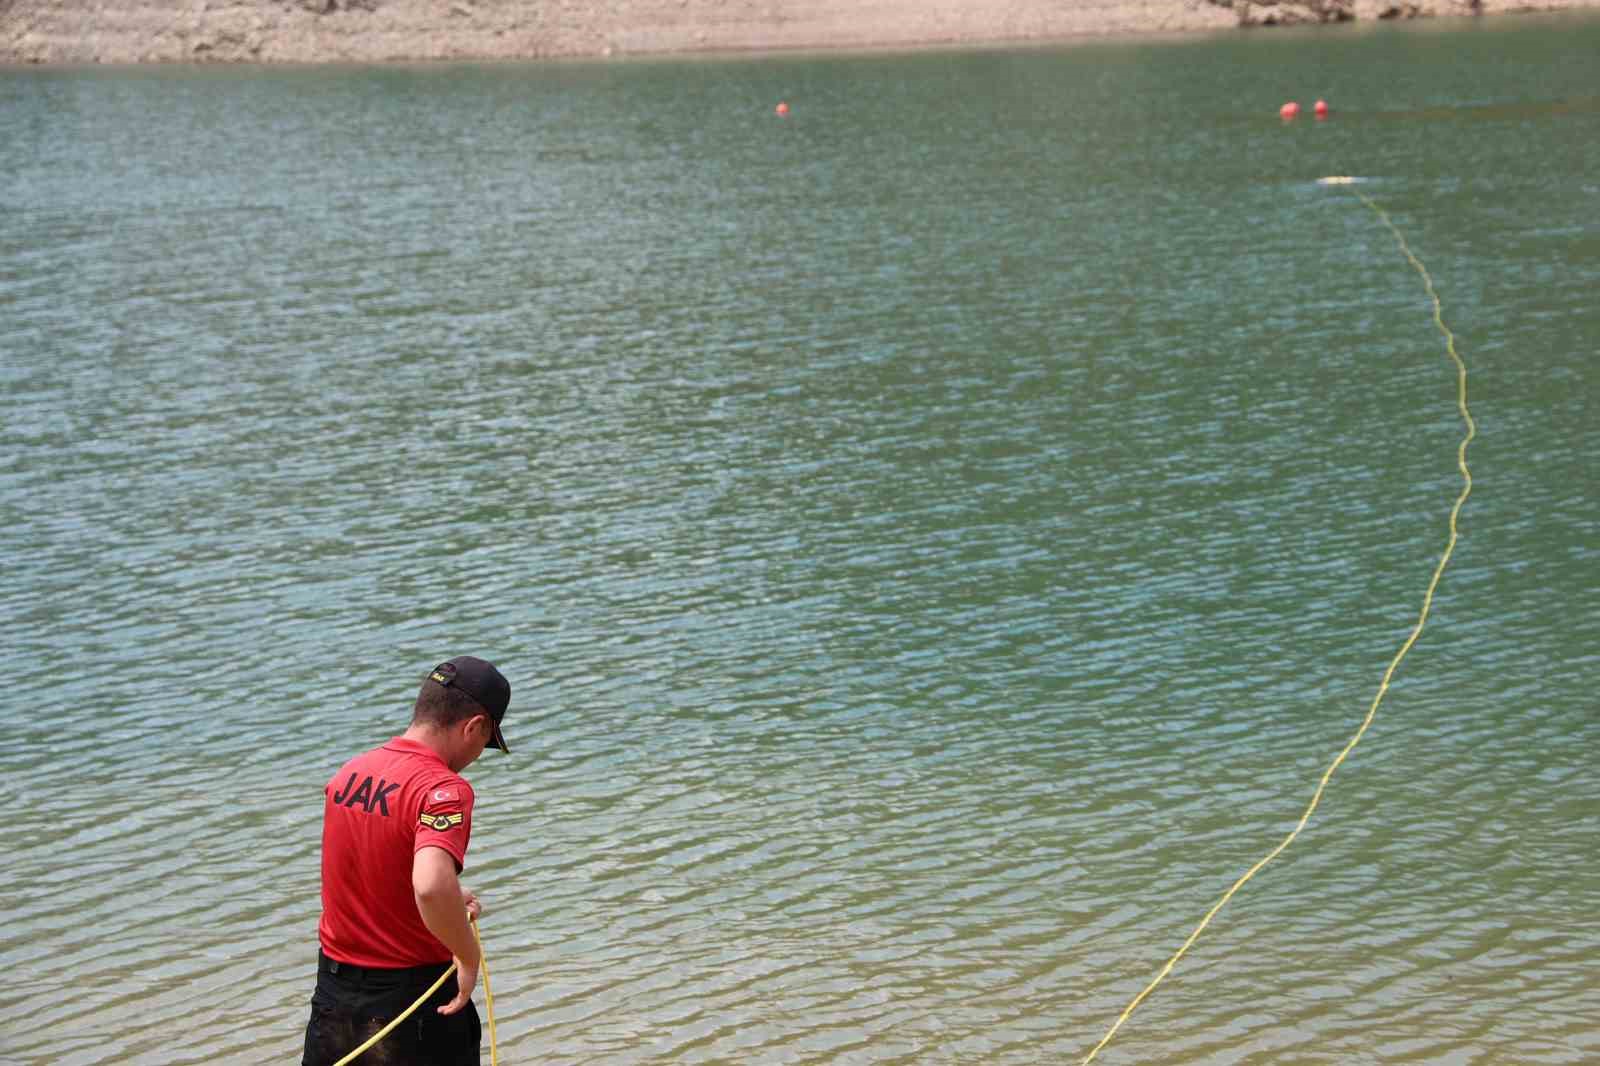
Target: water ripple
{"points": [[935, 551]]}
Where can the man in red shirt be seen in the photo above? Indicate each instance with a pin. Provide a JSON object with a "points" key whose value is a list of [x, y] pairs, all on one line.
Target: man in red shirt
{"points": [[395, 826]]}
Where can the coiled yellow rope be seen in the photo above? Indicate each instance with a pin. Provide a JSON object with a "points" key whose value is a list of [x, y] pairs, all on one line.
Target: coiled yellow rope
{"points": [[1427, 603], [488, 995]]}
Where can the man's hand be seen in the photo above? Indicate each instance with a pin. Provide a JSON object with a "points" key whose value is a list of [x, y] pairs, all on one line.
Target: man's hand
{"points": [[470, 900], [466, 979]]}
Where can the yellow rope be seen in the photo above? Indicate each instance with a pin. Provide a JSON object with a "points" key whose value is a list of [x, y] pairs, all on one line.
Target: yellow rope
{"points": [[488, 996], [483, 961], [1427, 603]]}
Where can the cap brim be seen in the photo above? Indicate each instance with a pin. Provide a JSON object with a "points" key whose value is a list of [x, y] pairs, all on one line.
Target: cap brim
{"points": [[498, 740]]}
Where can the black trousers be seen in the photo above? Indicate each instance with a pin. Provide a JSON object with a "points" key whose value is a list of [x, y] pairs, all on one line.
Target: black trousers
{"points": [[353, 1002]]}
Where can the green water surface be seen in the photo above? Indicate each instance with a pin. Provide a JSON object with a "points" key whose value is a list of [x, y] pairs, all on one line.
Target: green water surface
{"points": [[936, 541]]}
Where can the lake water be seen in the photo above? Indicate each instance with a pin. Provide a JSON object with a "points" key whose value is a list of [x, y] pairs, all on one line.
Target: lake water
{"points": [[936, 541]]}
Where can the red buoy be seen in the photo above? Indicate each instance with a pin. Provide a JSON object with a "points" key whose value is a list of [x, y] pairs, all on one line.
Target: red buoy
{"points": [[1289, 110], [782, 108], [1320, 108]]}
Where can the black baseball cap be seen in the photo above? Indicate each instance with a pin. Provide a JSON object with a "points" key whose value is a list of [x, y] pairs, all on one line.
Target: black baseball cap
{"points": [[483, 683]]}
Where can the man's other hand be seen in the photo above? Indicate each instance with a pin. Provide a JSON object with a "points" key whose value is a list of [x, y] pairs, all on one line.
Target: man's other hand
{"points": [[466, 980]]}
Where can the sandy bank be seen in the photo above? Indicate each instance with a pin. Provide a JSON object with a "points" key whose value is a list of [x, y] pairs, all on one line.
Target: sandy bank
{"points": [[310, 31]]}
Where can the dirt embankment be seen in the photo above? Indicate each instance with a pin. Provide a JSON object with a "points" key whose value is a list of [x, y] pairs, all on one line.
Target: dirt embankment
{"points": [[310, 31]]}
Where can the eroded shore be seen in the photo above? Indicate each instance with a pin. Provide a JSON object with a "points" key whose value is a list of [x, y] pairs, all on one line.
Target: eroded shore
{"points": [[315, 31]]}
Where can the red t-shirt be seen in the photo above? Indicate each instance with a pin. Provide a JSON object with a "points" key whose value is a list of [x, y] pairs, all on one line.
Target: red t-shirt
{"points": [[380, 809]]}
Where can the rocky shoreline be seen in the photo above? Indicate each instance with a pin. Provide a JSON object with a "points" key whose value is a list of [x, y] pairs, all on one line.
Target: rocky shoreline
{"points": [[318, 31]]}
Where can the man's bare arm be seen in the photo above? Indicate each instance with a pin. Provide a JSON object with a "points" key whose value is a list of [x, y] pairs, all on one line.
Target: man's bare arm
{"points": [[440, 902]]}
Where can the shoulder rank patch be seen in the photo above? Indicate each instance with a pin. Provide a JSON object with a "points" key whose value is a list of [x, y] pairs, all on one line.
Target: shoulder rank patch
{"points": [[440, 821]]}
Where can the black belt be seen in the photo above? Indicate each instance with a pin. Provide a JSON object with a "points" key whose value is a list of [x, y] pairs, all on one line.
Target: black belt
{"points": [[426, 973]]}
